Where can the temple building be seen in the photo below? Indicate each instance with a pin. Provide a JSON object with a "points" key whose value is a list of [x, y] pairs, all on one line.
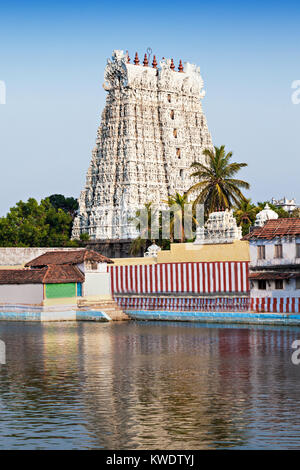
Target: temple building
{"points": [[289, 205], [220, 228], [275, 258], [152, 130]]}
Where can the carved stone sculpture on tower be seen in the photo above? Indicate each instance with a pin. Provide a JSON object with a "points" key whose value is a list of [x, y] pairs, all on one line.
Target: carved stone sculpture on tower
{"points": [[221, 227], [152, 130]]}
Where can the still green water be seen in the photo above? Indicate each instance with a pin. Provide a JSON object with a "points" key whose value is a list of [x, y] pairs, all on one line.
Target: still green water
{"points": [[138, 385]]}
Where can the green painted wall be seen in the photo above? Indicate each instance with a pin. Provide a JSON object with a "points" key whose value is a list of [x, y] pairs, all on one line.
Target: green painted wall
{"points": [[55, 291]]}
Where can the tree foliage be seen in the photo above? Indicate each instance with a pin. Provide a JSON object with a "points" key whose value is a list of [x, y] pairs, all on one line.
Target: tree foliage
{"points": [[33, 224], [217, 188], [245, 213], [67, 204], [296, 212], [142, 242], [178, 204]]}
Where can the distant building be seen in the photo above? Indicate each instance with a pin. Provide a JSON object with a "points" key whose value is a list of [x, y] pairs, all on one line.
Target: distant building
{"points": [[289, 205], [275, 259]]}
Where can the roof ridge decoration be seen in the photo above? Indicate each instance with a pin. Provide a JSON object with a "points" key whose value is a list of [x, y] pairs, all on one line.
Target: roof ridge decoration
{"points": [[119, 71]]}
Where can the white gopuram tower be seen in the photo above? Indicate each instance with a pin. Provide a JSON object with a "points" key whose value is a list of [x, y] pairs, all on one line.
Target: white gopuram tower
{"points": [[152, 130]]}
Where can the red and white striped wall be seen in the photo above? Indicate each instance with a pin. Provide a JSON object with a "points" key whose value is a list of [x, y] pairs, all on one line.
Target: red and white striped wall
{"points": [[201, 278], [275, 305]]}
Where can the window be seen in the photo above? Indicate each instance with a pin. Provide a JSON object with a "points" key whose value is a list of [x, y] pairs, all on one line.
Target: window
{"points": [[297, 250], [172, 114], [181, 173], [298, 283], [262, 284], [261, 252], [178, 153], [175, 133], [278, 251], [169, 98], [279, 284]]}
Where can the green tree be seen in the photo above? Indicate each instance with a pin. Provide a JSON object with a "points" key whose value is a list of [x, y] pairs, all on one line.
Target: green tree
{"points": [[33, 224], [296, 212], [179, 204], [216, 188], [141, 243], [245, 214], [84, 237], [67, 204]]}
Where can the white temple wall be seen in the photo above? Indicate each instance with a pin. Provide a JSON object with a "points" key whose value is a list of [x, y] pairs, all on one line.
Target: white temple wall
{"points": [[21, 293], [288, 252], [96, 284], [289, 290]]}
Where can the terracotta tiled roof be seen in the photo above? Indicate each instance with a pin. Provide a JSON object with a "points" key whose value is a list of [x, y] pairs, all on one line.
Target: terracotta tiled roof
{"points": [[22, 276], [68, 257], [50, 275], [271, 276], [62, 274], [276, 228], [250, 235]]}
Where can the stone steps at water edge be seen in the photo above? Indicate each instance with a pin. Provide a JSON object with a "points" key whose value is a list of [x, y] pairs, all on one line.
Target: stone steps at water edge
{"points": [[110, 307]]}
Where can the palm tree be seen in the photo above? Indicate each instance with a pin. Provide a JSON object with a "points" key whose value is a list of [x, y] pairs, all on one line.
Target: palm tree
{"points": [[142, 242], [217, 189], [178, 203], [245, 214]]}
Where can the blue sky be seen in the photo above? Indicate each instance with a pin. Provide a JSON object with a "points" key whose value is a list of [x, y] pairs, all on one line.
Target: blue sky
{"points": [[52, 59]]}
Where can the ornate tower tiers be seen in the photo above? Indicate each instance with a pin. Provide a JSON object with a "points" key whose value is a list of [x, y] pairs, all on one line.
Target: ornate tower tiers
{"points": [[152, 130]]}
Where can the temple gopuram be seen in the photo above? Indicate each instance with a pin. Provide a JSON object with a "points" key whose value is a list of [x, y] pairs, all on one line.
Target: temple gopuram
{"points": [[152, 129]]}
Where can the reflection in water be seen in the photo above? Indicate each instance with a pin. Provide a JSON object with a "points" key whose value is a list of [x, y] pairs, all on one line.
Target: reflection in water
{"points": [[148, 386]]}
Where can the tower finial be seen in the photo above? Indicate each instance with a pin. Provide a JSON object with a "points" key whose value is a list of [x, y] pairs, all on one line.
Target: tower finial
{"points": [[136, 59], [180, 68], [145, 61], [128, 58], [154, 63], [172, 66]]}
